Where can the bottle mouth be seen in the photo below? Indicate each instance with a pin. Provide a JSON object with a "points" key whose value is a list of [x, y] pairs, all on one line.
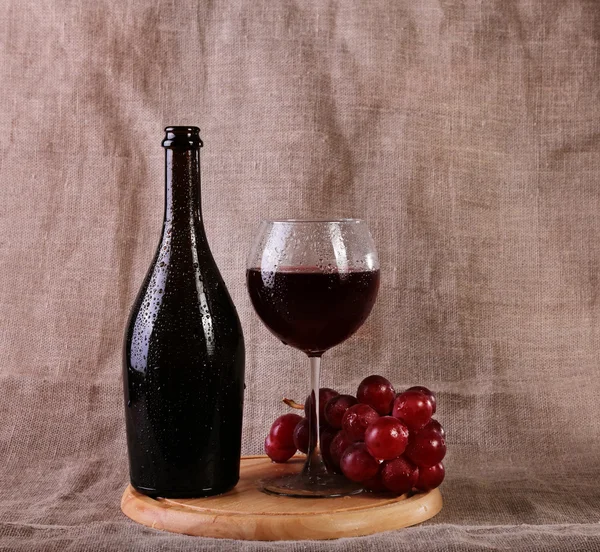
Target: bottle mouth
{"points": [[182, 137]]}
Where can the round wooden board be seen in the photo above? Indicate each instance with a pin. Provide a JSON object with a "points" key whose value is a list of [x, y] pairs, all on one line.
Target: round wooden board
{"points": [[249, 514]]}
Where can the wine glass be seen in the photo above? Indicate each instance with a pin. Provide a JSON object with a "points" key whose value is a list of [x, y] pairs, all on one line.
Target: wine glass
{"points": [[313, 283]]}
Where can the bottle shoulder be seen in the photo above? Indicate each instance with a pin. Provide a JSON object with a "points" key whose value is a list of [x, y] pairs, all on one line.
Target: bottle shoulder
{"points": [[183, 283]]}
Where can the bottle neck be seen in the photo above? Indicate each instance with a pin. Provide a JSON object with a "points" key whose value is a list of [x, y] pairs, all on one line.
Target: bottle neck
{"points": [[182, 180]]}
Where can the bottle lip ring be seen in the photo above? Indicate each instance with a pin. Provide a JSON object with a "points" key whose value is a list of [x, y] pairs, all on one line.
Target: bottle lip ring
{"points": [[183, 129], [182, 137]]}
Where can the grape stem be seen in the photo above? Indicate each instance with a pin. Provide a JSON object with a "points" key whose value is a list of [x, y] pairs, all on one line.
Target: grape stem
{"points": [[293, 404]]}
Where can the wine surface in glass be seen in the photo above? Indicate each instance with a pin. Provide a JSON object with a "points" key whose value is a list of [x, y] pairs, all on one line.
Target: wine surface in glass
{"points": [[310, 309]]}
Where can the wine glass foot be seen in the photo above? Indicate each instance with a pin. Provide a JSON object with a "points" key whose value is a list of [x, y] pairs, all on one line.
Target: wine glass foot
{"points": [[318, 486]]}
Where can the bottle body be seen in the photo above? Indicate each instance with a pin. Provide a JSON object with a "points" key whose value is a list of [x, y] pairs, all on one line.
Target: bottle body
{"points": [[183, 366]]}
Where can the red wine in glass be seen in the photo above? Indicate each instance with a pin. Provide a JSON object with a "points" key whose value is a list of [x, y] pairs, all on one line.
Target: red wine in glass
{"points": [[312, 310]]}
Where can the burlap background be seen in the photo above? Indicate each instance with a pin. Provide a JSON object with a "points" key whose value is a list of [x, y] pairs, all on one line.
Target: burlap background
{"points": [[466, 132]]}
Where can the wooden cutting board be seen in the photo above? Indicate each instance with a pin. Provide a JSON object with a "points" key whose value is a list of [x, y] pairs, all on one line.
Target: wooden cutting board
{"points": [[249, 514]]}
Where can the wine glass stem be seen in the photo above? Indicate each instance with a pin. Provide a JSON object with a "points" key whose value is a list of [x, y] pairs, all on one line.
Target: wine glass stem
{"points": [[314, 465]]}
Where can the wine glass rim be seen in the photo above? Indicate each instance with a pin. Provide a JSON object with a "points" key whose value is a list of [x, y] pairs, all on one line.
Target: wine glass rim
{"points": [[325, 220]]}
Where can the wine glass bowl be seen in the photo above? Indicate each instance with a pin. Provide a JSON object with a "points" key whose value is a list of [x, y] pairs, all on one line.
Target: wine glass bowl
{"points": [[313, 283]]}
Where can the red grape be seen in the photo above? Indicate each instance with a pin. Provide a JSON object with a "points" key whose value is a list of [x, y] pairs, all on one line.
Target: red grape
{"points": [[434, 425], [413, 408], [327, 436], [427, 392], [399, 475], [324, 395], [426, 448], [301, 435], [338, 446], [386, 438], [357, 464], [375, 483], [356, 420], [277, 453], [377, 392], [431, 477], [282, 430], [336, 408]]}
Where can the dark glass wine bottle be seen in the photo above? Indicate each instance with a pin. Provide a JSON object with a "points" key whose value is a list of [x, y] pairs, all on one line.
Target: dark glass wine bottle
{"points": [[183, 366]]}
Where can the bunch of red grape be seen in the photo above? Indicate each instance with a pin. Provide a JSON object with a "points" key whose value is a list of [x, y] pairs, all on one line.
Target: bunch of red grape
{"points": [[383, 440]]}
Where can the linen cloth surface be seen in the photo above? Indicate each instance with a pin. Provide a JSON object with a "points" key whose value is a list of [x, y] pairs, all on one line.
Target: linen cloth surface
{"points": [[465, 132]]}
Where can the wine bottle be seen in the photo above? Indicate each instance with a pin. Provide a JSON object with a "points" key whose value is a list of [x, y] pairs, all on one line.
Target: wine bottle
{"points": [[183, 369]]}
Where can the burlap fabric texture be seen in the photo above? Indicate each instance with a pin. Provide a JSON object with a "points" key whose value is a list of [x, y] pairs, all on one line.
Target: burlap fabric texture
{"points": [[465, 132]]}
